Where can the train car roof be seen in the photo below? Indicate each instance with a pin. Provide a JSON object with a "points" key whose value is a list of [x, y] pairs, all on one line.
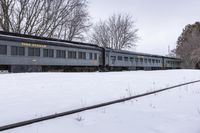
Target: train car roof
{"points": [[45, 40], [141, 54]]}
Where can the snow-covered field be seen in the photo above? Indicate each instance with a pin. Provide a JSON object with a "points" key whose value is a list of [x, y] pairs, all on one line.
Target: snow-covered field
{"points": [[31, 95]]}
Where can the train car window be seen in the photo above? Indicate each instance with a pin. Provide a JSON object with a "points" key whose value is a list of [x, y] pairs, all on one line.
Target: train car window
{"points": [[95, 56], [91, 56], [145, 60], [30, 51], [21, 51], [63, 54], [131, 59], [45, 52], [3, 49], [113, 57], [119, 58], [14, 50], [125, 58], [156, 61], [136, 60], [72, 54], [34, 52], [60, 53], [141, 60], [84, 55], [17, 51], [153, 60], [149, 60], [51, 53], [81, 55], [37, 51], [48, 53]]}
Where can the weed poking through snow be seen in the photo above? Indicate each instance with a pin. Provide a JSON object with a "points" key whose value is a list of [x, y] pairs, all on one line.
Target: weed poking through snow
{"points": [[79, 118]]}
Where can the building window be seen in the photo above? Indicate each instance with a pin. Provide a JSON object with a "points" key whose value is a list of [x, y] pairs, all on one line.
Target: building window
{"points": [[3, 49], [72, 54], [81, 55], [125, 58], [34, 52], [91, 56], [17, 51], [119, 58], [48, 53], [60, 53], [95, 56]]}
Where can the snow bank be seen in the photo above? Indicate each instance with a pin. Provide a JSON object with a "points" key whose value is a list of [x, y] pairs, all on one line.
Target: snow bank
{"points": [[25, 96]]}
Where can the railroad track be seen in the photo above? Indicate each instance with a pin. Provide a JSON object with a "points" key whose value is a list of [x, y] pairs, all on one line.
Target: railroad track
{"points": [[53, 116]]}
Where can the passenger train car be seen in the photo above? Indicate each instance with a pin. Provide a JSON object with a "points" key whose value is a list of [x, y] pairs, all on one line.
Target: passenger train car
{"points": [[24, 53], [120, 59]]}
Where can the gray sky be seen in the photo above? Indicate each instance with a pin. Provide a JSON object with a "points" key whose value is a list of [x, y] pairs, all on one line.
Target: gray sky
{"points": [[160, 22]]}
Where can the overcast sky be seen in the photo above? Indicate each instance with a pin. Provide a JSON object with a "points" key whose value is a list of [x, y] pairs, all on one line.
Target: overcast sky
{"points": [[160, 22]]}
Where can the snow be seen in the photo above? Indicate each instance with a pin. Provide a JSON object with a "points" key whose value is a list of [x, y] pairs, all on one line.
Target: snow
{"points": [[31, 95]]}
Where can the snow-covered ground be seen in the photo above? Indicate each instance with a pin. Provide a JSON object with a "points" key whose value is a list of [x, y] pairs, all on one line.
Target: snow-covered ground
{"points": [[31, 95]]}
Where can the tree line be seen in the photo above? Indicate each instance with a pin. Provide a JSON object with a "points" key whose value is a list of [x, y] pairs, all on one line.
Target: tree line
{"points": [[68, 20]]}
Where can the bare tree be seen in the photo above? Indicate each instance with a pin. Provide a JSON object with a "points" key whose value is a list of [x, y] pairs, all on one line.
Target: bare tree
{"points": [[64, 19], [117, 32], [188, 45]]}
